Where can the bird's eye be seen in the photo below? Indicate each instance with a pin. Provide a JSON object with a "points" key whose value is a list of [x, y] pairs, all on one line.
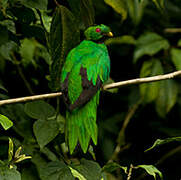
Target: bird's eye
{"points": [[98, 30]]}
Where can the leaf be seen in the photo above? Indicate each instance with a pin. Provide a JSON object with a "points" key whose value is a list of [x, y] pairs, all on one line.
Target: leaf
{"points": [[179, 43], [167, 97], [39, 110], [5, 122], [176, 58], [149, 44], [83, 10], [9, 174], [159, 4], [9, 24], [3, 35], [39, 4], [136, 10], [150, 91], [56, 170], [64, 35], [23, 14], [7, 49], [20, 118], [119, 6], [27, 50], [110, 167], [84, 169], [10, 150], [159, 142], [45, 131], [29, 174], [76, 174], [50, 155], [126, 39], [151, 170]]}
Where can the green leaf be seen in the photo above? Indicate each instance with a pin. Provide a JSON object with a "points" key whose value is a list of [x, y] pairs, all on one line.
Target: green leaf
{"points": [[64, 35], [149, 44], [45, 131], [39, 110], [10, 150], [5, 122], [29, 174], [56, 170], [9, 174], [119, 6], [159, 4], [179, 43], [150, 91], [9, 24], [110, 167], [76, 174], [151, 170], [23, 14], [159, 142], [176, 58], [27, 50], [83, 11], [3, 35], [39, 4], [50, 155], [167, 97], [84, 169], [7, 49], [136, 10], [126, 39]]}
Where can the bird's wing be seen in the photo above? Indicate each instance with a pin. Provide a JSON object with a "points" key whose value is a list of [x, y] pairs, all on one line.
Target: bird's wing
{"points": [[86, 78]]}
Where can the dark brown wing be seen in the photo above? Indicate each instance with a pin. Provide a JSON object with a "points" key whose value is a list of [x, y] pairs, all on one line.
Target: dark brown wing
{"points": [[89, 90]]}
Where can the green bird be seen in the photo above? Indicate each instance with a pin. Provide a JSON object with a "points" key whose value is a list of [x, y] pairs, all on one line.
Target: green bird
{"points": [[86, 68]]}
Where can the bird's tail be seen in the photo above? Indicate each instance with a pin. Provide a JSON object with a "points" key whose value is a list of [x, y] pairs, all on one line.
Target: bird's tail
{"points": [[81, 125]]}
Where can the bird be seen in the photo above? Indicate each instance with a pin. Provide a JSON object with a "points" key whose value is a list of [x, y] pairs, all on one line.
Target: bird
{"points": [[86, 69]]}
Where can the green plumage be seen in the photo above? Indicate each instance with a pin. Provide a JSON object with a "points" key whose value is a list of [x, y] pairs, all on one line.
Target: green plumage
{"points": [[86, 68]]}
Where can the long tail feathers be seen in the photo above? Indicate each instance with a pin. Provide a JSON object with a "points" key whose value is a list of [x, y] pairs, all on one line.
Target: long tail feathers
{"points": [[81, 125]]}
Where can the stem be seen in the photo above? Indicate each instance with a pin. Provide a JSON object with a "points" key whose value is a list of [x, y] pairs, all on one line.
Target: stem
{"points": [[130, 172], [22, 75], [121, 136]]}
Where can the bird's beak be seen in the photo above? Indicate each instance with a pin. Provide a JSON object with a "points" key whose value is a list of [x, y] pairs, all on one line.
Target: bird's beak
{"points": [[109, 34]]}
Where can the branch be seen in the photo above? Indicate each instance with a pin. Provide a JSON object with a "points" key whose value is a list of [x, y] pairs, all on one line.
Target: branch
{"points": [[108, 86], [143, 80], [172, 30]]}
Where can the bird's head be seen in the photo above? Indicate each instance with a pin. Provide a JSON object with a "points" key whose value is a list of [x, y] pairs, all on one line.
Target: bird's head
{"points": [[97, 32]]}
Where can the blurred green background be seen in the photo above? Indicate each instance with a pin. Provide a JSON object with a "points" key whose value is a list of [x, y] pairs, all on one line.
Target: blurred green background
{"points": [[35, 37]]}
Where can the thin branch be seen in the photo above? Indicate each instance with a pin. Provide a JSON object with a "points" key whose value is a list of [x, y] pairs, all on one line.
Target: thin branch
{"points": [[108, 86], [172, 30], [143, 80], [22, 75], [29, 98], [130, 172], [121, 135]]}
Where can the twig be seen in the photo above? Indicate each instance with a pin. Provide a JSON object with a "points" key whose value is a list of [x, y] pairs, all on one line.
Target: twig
{"points": [[108, 86], [22, 75], [120, 138], [130, 172], [143, 80], [172, 30], [29, 98]]}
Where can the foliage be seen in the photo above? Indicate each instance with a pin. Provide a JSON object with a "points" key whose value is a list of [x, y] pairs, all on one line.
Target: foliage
{"points": [[35, 37]]}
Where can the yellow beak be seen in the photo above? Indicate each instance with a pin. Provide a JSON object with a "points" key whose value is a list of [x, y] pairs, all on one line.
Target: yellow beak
{"points": [[110, 34]]}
